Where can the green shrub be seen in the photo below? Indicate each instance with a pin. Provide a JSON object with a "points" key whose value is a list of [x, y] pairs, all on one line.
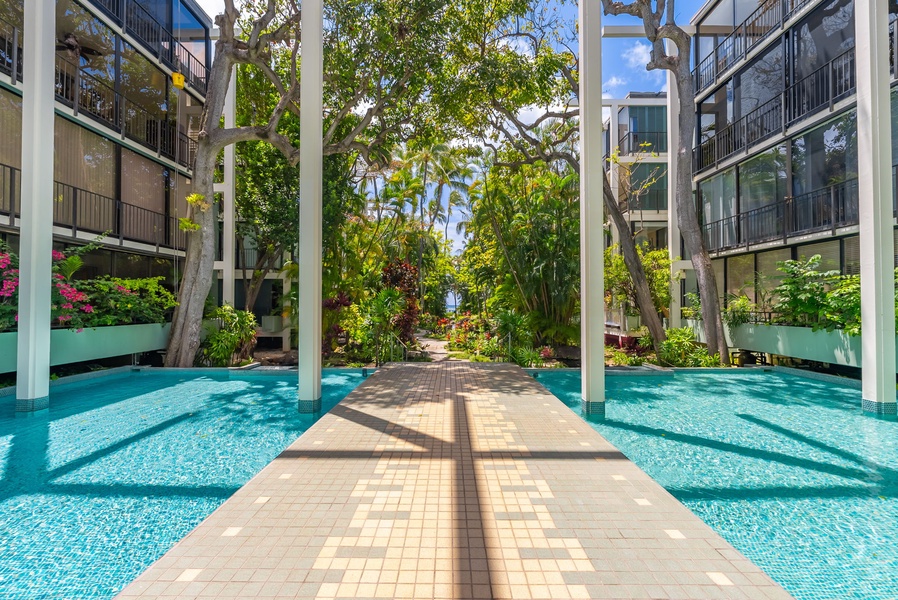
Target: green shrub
{"points": [[232, 341], [681, 350], [738, 311]]}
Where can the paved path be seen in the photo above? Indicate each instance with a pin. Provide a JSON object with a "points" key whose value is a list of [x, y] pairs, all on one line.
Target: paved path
{"points": [[437, 350], [452, 480]]}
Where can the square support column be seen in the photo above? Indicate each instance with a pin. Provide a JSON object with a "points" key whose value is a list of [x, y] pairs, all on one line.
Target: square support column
{"points": [[673, 157], [35, 263], [310, 186], [592, 235], [877, 247], [229, 198]]}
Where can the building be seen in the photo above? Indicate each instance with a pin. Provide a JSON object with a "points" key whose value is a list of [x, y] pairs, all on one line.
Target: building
{"points": [[636, 136], [776, 156], [124, 133]]}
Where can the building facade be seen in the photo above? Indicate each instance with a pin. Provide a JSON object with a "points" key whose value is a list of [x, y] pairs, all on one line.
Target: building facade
{"points": [[776, 147], [124, 131], [637, 164]]}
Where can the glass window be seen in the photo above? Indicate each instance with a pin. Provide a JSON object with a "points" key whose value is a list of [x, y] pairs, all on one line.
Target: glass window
{"points": [[717, 111], [825, 34], [84, 159], [718, 196], [143, 182], [852, 249], [85, 41], [762, 179], [142, 83], [191, 32], [830, 254], [825, 156], [741, 276], [761, 81], [769, 276], [11, 126], [128, 266]]}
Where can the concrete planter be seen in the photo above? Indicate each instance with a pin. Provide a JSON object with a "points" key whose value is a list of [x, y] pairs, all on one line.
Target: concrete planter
{"points": [[832, 347], [68, 346]]}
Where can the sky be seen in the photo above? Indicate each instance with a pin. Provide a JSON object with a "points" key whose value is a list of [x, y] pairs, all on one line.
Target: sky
{"points": [[623, 60]]}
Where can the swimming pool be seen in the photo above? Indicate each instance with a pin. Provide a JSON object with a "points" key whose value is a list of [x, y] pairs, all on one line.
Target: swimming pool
{"points": [[787, 469], [124, 466]]}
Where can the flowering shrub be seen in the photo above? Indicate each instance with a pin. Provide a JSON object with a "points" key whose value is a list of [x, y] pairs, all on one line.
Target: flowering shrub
{"points": [[88, 303]]}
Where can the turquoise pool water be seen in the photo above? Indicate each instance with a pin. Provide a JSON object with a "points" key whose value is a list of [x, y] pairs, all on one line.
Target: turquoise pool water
{"points": [[787, 469], [124, 466]]}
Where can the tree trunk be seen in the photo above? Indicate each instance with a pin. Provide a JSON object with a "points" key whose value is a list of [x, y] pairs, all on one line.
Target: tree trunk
{"points": [[264, 265], [637, 272], [687, 218], [197, 278]]}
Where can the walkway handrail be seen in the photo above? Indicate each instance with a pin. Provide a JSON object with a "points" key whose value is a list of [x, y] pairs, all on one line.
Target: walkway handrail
{"points": [[827, 208], [83, 210]]}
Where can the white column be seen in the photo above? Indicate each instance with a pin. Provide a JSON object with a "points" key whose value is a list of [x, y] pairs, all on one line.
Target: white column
{"points": [[875, 198], [36, 226], [592, 238], [228, 244], [310, 175], [673, 228]]}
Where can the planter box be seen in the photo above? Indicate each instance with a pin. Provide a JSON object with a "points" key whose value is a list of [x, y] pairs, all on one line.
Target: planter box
{"points": [[68, 346], [832, 347]]}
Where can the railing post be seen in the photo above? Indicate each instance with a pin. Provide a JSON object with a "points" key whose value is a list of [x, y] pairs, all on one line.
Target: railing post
{"points": [[158, 137], [76, 92], [832, 203], [12, 197], [787, 217], [831, 84], [74, 211], [123, 106], [119, 215], [14, 70]]}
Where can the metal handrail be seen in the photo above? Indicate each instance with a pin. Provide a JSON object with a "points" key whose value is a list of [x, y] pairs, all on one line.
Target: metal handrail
{"points": [[637, 142], [82, 210], [827, 208]]}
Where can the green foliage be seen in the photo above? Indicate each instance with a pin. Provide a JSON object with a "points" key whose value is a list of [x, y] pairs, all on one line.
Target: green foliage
{"points": [[187, 224], [383, 312], [693, 308], [843, 306], [738, 311], [123, 301], [656, 264], [620, 358], [231, 340], [681, 350], [801, 294]]}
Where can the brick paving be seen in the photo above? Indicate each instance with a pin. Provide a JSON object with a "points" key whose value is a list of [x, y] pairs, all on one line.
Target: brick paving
{"points": [[452, 480]]}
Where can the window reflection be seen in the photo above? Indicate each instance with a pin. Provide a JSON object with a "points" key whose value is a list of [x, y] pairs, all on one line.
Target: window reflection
{"points": [[825, 156]]}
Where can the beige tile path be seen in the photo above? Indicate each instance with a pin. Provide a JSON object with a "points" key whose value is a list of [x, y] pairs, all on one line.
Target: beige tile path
{"points": [[452, 480]]}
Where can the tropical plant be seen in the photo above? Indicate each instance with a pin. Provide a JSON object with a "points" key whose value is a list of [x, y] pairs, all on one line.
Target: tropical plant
{"points": [[681, 350], [739, 311], [230, 339], [801, 294]]}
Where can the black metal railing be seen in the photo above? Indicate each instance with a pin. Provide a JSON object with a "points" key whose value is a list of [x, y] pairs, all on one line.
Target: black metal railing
{"points": [[135, 19], [634, 142], [650, 199], [139, 23], [81, 210], [758, 125], [819, 90], [768, 17], [88, 95], [822, 88], [10, 51], [825, 209]]}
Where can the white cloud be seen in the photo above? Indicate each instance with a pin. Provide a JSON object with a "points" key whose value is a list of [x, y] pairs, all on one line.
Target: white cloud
{"points": [[614, 83], [638, 55]]}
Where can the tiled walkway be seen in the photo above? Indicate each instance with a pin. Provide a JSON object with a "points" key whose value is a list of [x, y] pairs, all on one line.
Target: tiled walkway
{"points": [[452, 480]]}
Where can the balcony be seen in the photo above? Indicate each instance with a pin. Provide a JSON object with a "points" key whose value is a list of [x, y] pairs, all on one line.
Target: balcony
{"points": [[643, 142], [818, 91], [653, 199], [821, 210], [140, 24], [80, 210], [770, 16], [88, 95]]}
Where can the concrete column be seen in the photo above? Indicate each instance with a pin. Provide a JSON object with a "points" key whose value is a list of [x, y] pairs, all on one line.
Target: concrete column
{"points": [[310, 175], [592, 238], [673, 229], [228, 245], [36, 226], [875, 197]]}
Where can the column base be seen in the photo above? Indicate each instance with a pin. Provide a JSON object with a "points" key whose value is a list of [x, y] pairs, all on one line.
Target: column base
{"points": [[883, 410], [27, 407], [309, 407], [594, 409]]}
